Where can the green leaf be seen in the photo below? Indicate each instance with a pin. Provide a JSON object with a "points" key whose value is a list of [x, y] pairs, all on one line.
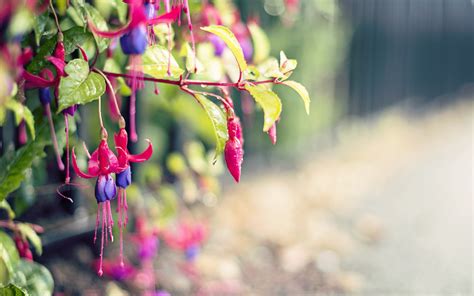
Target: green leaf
{"points": [[80, 86], [155, 62], [191, 60], [22, 113], [261, 44], [301, 90], [5, 205], [269, 101], [100, 23], [15, 164], [228, 37], [21, 22], [218, 120], [39, 61], [9, 257], [40, 25], [75, 36], [28, 232], [34, 278], [12, 290], [121, 8]]}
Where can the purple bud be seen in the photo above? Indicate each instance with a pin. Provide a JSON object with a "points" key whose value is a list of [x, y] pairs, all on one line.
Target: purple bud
{"points": [[105, 188], [124, 179], [134, 41], [219, 44], [44, 95]]}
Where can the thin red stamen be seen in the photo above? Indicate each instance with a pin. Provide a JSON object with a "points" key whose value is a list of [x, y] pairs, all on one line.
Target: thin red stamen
{"points": [[53, 137]]}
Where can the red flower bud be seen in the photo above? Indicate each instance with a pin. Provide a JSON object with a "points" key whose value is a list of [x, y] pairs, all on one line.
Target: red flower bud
{"points": [[234, 156], [272, 134]]}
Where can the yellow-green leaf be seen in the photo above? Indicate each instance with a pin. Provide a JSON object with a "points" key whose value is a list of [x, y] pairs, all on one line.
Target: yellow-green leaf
{"points": [[28, 232], [80, 86], [219, 122], [269, 101], [228, 37], [22, 113], [301, 90], [155, 62], [261, 44]]}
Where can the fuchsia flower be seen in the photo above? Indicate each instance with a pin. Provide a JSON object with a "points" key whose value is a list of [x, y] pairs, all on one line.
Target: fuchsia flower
{"points": [[186, 237], [134, 40], [146, 240], [234, 151], [102, 164], [124, 175], [117, 270]]}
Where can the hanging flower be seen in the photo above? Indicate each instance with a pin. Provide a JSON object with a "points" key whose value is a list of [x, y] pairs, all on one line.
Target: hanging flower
{"points": [[102, 164], [234, 151], [124, 175]]}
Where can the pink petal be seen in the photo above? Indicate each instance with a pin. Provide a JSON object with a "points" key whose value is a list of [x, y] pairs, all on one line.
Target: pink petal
{"points": [[35, 81], [58, 64], [77, 169], [145, 155], [168, 17]]}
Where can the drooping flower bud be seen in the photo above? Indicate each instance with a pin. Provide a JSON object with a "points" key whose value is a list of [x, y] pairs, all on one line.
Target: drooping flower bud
{"points": [[105, 188], [124, 178], [234, 156]]}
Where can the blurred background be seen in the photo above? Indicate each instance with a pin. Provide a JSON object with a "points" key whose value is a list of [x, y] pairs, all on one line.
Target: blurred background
{"points": [[371, 194]]}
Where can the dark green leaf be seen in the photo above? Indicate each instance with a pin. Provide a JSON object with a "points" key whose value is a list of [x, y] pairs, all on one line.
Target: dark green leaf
{"points": [[74, 37], [95, 17], [39, 61], [16, 163]]}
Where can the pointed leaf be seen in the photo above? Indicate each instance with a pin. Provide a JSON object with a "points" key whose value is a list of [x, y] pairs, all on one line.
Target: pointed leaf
{"points": [[232, 43], [34, 278], [269, 101], [155, 62], [219, 122], [8, 255], [5, 205], [22, 113], [27, 231], [13, 290], [99, 22], [15, 164], [301, 90], [80, 87], [261, 44]]}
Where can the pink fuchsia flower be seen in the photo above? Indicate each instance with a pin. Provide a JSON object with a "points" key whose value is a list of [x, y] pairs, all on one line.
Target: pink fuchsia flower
{"points": [[124, 175], [186, 237], [102, 164]]}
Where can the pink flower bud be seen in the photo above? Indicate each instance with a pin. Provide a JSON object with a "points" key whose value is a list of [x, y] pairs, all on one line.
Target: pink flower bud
{"points": [[234, 156]]}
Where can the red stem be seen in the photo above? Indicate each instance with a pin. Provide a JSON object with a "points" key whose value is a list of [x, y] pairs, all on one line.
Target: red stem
{"points": [[186, 82]]}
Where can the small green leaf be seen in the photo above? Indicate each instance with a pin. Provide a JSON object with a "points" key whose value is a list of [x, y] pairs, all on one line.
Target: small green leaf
{"points": [[261, 44], [40, 26], [191, 60], [8, 256], [5, 205], [301, 90], [228, 37], [39, 61], [15, 164], [219, 122], [27, 231], [100, 23], [121, 8], [269, 101], [13, 290], [80, 86], [287, 65], [22, 113], [155, 62]]}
